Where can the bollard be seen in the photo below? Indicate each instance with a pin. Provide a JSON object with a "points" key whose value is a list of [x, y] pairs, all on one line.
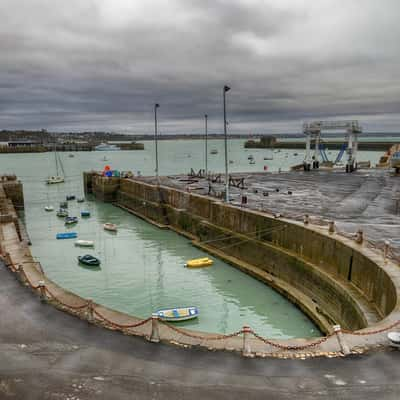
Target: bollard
{"points": [[306, 219], [359, 236], [246, 351], [89, 313], [386, 248], [42, 291], [331, 226], [7, 259], [155, 332], [344, 348]]}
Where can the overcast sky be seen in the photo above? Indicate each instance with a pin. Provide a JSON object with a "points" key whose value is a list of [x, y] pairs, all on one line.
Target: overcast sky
{"points": [[102, 64]]}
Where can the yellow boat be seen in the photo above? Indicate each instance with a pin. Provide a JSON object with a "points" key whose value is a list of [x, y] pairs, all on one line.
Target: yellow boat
{"points": [[199, 262]]}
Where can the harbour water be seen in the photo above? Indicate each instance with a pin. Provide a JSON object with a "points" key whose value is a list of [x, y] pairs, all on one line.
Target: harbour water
{"points": [[142, 266]]}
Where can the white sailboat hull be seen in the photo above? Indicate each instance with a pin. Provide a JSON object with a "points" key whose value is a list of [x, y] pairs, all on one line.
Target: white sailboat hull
{"points": [[54, 179]]}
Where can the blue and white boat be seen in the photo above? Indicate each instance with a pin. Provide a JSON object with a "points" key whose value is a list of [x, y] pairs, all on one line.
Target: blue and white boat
{"points": [[178, 314], [67, 235]]}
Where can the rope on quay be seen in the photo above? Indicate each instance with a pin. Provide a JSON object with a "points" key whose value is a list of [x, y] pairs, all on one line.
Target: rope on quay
{"points": [[121, 326]]}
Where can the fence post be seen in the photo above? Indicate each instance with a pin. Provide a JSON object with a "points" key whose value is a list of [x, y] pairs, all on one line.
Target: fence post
{"points": [[89, 313], [331, 226], [386, 248], [344, 348], [246, 351], [42, 291], [155, 332]]}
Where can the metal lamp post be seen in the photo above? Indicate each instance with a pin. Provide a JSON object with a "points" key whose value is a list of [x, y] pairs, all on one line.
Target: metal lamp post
{"points": [[206, 149], [226, 88], [156, 137]]}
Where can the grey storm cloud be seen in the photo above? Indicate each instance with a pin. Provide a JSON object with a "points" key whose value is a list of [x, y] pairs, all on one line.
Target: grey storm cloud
{"points": [[102, 64]]}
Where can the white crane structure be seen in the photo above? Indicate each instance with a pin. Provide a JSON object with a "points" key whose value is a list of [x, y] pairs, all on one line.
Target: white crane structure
{"points": [[313, 130]]}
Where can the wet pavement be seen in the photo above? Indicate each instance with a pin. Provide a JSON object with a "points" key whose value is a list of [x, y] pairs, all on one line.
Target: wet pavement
{"points": [[47, 354], [367, 199]]}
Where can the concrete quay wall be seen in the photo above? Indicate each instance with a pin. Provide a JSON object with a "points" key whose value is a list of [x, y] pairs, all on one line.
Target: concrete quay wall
{"points": [[332, 279]]}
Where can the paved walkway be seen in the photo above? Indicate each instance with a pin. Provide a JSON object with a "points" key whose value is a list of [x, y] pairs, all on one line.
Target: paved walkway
{"points": [[47, 354]]}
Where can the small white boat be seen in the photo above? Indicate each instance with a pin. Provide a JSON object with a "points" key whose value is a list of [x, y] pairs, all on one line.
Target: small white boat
{"points": [[49, 208], [84, 243], [252, 161], [178, 314], [108, 226], [54, 179]]}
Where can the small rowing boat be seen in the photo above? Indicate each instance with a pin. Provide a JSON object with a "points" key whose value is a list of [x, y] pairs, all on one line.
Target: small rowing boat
{"points": [[62, 212], [88, 259], [84, 243], [49, 208], [80, 199], [70, 197], [199, 263], [71, 220], [67, 235], [108, 226], [85, 213], [178, 314]]}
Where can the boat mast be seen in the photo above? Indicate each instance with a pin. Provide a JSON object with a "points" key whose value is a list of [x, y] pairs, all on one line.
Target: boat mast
{"points": [[55, 157]]}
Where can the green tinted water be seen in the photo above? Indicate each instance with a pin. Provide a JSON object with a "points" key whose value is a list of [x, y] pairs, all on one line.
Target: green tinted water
{"points": [[142, 266]]}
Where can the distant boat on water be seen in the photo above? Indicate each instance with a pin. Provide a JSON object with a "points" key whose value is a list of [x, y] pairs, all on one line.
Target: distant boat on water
{"points": [[214, 151], [106, 147]]}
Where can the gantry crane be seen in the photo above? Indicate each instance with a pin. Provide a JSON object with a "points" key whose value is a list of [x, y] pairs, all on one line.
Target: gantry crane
{"points": [[312, 130]]}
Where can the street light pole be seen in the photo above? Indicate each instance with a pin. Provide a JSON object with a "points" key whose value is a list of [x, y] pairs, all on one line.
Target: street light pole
{"points": [[206, 150], [156, 137], [226, 88]]}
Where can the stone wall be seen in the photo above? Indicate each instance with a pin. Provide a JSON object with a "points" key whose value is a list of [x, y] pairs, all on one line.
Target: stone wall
{"points": [[346, 286]]}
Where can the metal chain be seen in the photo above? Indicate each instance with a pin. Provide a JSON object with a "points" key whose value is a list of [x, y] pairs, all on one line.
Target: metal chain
{"points": [[121, 326], [64, 304], [215, 337], [292, 347]]}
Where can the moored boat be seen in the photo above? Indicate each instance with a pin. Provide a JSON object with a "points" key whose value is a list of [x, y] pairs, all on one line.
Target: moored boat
{"points": [[70, 197], [54, 179], [85, 213], [71, 220], [67, 235], [80, 199], [108, 226], [178, 314], [88, 259], [214, 151], [84, 243], [199, 262], [62, 212], [49, 208]]}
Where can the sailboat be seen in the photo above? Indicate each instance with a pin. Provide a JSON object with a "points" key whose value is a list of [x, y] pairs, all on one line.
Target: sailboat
{"points": [[56, 178]]}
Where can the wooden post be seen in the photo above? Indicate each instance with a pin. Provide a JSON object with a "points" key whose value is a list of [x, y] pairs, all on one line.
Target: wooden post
{"points": [[331, 226], [42, 291], [155, 332], [246, 351], [306, 219], [344, 348], [89, 312]]}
